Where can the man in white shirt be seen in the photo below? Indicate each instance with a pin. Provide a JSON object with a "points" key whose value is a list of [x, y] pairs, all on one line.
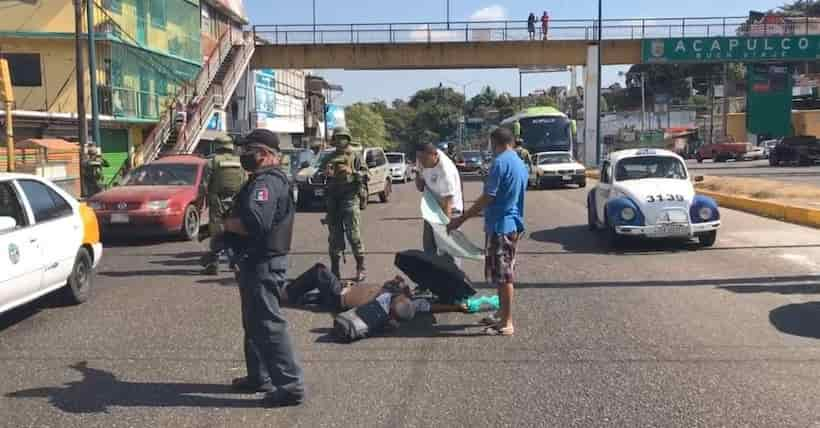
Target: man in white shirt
{"points": [[439, 175]]}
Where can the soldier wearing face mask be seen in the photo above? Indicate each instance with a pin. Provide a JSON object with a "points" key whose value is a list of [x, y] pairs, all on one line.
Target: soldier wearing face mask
{"points": [[262, 220]]}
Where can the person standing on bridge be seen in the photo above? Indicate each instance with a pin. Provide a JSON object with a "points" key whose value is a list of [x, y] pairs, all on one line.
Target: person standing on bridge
{"points": [[531, 26], [545, 24], [503, 204]]}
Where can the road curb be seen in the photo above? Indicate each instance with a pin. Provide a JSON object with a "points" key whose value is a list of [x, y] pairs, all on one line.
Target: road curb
{"points": [[788, 213]]}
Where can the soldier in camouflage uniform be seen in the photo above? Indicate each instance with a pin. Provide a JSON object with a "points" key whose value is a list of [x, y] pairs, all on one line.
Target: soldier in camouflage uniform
{"points": [[224, 177], [344, 182], [523, 153], [93, 170]]}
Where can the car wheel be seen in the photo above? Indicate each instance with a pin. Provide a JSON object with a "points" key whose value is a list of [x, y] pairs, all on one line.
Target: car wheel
{"points": [[699, 158], [592, 223], [708, 239], [81, 280], [773, 160], [582, 184], [363, 199], [384, 195], [190, 223]]}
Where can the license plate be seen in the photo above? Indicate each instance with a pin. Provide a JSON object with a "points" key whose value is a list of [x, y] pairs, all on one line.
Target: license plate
{"points": [[673, 230], [566, 177], [120, 218], [320, 192]]}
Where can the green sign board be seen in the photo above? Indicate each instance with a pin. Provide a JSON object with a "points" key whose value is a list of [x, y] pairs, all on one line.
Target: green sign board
{"points": [[731, 49]]}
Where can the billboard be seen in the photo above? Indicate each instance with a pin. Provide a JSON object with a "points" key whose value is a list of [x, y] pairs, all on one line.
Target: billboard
{"points": [[335, 116], [265, 92], [728, 49]]}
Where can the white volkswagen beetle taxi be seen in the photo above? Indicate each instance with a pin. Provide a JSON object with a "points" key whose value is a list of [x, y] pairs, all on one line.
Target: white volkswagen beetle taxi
{"points": [[48, 241], [648, 193]]}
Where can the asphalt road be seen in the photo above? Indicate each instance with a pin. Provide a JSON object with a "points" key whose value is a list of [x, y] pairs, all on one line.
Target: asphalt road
{"points": [[661, 334], [758, 169]]}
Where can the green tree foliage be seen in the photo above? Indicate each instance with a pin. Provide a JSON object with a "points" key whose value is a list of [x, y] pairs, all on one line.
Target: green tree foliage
{"points": [[438, 112], [802, 7], [366, 125]]}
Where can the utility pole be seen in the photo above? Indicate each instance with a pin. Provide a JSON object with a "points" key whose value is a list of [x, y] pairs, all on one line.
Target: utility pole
{"points": [[92, 74], [725, 100], [448, 14], [599, 143], [643, 101], [80, 73], [314, 22]]}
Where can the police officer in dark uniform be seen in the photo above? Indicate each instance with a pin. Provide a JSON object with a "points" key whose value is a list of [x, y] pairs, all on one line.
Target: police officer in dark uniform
{"points": [[262, 218]]}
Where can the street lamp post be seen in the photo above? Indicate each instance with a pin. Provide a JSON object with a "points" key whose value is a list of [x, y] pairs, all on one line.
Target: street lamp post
{"points": [[599, 142], [464, 107], [448, 14]]}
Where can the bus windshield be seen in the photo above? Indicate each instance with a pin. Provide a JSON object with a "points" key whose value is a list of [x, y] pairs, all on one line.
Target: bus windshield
{"points": [[544, 134]]}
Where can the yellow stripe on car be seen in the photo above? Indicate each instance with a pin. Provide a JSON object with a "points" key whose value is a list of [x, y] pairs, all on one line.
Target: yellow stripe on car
{"points": [[91, 228]]}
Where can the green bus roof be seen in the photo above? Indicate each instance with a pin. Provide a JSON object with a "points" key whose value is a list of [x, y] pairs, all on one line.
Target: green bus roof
{"points": [[534, 112]]}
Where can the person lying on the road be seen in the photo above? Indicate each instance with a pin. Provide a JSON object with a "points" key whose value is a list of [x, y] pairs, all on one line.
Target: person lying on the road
{"points": [[318, 286]]}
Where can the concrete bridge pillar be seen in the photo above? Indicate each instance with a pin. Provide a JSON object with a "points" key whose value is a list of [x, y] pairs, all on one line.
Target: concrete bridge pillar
{"points": [[592, 94]]}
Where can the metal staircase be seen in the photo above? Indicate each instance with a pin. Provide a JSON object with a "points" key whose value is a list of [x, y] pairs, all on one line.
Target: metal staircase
{"points": [[213, 86]]}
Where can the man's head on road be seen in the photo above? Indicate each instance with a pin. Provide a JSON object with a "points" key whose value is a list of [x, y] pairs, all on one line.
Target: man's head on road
{"points": [[402, 309], [260, 150], [502, 139], [427, 154]]}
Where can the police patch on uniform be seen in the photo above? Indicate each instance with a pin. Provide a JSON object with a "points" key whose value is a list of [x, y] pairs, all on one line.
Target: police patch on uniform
{"points": [[261, 195]]}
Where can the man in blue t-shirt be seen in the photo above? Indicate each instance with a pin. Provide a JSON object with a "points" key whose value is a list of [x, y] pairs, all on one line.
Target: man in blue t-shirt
{"points": [[503, 205]]}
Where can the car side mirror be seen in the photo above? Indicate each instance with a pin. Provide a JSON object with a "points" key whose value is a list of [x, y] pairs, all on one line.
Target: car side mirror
{"points": [[7, 223], [699, 179]]}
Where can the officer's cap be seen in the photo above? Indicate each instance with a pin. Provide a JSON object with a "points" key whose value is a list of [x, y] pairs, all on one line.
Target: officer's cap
{"points": [[262, 137]]}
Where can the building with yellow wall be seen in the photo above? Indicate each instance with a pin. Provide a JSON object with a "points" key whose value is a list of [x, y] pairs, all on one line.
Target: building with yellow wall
{"points": [[146, 51]]}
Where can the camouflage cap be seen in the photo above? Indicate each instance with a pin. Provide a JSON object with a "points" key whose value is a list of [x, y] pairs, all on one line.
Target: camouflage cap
{"points": [[224, 142]]}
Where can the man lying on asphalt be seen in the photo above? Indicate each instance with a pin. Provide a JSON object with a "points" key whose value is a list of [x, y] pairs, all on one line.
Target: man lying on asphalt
{"points": [[335, 296]]}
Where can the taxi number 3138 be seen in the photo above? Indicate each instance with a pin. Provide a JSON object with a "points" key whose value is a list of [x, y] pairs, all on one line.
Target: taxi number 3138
{"points": [[661, 198]]}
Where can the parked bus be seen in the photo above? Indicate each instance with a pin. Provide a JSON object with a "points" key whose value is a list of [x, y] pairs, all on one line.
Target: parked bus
{"points": [[544, 129]]}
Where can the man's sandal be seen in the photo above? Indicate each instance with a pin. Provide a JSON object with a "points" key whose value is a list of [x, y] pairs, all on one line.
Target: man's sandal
{"points": [[499, 331]]}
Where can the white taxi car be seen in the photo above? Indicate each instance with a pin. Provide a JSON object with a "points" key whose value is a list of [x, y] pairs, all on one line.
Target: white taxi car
{"points": [[558, 169], [48, 241], [648, 193]]}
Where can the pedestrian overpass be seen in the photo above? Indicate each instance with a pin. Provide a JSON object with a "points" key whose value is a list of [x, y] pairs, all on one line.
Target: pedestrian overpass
{"points": [[508, 44], [491, 44]]}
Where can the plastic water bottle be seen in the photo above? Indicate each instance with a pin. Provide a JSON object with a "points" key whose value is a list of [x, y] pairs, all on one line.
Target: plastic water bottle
{"points": [[483, 304]]}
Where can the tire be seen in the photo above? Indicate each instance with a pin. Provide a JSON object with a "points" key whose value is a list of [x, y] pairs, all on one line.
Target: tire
{"points": [[81, 281], [614, 240], [363, 199], [773, 161], [699, 158], [707, 239], [190, 223], [384, 195], [582, 184], [592, 222]]}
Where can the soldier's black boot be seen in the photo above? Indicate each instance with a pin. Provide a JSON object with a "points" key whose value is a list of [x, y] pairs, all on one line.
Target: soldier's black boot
{"points": [[361, 272], [334, 267]]}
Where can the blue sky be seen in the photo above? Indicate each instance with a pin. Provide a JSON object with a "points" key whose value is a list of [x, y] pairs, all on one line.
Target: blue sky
{"points": [[388, 85]]}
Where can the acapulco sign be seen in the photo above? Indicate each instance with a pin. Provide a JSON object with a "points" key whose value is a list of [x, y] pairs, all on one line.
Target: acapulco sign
{"points": [[737, 49]]}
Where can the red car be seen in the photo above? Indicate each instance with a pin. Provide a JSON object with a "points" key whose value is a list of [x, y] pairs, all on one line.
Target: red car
{"points": [[165, 197], [721, 152]]}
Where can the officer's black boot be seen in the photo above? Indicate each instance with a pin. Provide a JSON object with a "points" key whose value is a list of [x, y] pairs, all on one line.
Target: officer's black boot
{"points": [[334, 267], [361, 272]]}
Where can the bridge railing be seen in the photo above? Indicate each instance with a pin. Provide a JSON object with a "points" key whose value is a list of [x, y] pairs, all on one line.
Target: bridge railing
{"points": [[558, 29]]}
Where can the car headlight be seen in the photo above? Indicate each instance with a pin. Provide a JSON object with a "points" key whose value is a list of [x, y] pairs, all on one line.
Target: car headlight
{"points": [[627, 214], [157, 205], [705, 213], [94, 205]]}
